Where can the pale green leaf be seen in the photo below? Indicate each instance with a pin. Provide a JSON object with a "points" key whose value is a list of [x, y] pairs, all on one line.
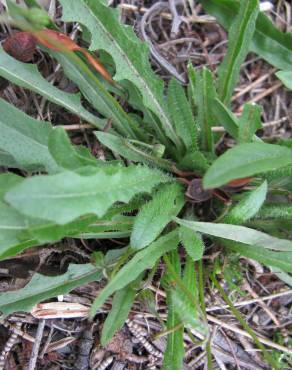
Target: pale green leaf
{"points": [[28, 76], [181, 115], [117, 227], [25, 139], [121, 305], [44, 287], [129, 53], [239, 39], [248, 207], [120, 146], [286, 78], [64, 197], [225, 118], [282, 260], [249, 123], [230, 122], [12, 224], [65, 154], [240, 234], [6, 160], [282, 275], [156, 214], [192, 243], [174, 353], [135, 153], [48, 232], [246, 160], [143, 260]]}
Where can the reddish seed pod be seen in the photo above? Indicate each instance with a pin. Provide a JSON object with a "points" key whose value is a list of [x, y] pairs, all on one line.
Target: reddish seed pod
{"points": [[21, 46]]}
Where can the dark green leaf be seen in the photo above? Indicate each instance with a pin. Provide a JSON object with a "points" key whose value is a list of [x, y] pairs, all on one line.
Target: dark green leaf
{"points": [[121, 305], [96, 93], [239, 38], [246, 160], [225, 118]]}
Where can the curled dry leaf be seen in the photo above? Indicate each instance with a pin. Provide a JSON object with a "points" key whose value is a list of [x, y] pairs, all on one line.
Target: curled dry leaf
{"points": [[59, 310], [21, 46]]}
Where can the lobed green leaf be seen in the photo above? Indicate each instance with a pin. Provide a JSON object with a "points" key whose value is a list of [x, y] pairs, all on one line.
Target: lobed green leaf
{"points": [[64, 197], [44, 287], [28, 76], [129, 54]]}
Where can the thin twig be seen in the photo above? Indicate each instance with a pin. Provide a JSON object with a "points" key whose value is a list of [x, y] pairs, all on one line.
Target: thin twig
{"points": [[166, 15], [155, 9], [252, 85], [36, 346], [235, 329], [176, 19], [19, 332], [77, 127], [263, 94], [251, 301]]}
